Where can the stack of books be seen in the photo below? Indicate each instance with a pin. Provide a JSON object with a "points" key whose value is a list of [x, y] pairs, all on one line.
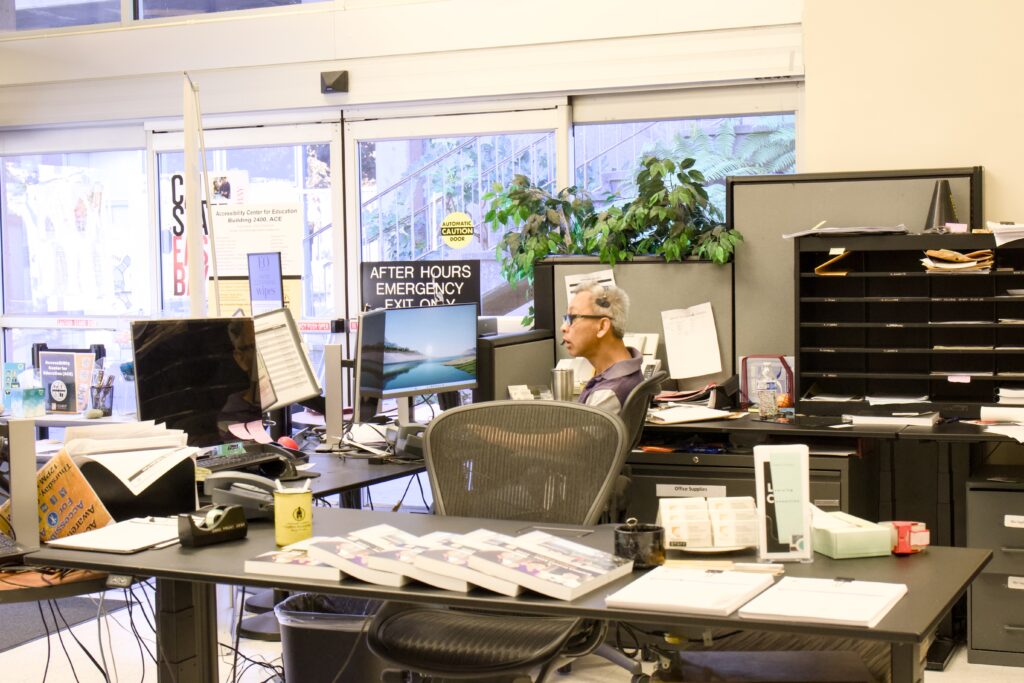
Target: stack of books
{"points": [[949, 261], [383, 555]]}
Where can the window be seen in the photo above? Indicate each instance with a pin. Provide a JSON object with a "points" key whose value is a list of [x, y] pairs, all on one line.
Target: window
{"points": [[75, 241], [414, 172], [608, 155], [267, 198], [155, 9], [39, 14]]}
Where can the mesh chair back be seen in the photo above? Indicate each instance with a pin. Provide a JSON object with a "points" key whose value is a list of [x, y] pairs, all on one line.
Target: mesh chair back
{"points": [[538, 461], [634, 410]]}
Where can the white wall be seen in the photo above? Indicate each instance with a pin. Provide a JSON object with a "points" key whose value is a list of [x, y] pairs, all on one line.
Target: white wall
{"points": [[917, 85], [395, 52]]}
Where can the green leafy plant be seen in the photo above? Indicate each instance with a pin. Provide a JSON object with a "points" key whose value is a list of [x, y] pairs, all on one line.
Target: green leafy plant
{"points": [[546, 224], [670, 217]]}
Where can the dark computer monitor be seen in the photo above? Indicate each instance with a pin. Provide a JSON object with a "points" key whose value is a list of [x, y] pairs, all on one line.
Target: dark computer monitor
{"points": [[199, 375], [403, 352]]}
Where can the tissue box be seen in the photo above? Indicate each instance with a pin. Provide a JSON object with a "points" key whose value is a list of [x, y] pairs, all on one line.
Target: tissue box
{"points": [[842, 536]]}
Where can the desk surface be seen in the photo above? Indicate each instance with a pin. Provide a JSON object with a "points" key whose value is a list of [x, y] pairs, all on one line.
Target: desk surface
{"points": [[338, 475], [935, 578]]}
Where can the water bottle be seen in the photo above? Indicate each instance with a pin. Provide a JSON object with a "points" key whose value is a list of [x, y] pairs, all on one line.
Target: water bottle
{"points": [[767, 394]]}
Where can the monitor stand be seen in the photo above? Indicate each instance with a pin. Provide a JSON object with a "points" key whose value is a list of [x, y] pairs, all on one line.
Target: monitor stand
{"points": [[409, 441]]}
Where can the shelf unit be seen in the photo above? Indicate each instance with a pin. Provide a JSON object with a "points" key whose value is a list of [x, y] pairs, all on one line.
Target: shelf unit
{"points": [[879, 330]]}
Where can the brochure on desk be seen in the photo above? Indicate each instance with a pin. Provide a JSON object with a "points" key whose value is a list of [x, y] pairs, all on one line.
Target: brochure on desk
{"points": [[782, 480]]}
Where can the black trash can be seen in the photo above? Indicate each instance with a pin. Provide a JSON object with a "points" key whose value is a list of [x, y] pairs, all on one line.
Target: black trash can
{"points": [[317, 634]]}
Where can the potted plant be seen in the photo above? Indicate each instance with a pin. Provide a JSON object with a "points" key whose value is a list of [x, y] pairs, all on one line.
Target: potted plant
{"points": [[670, 217]]}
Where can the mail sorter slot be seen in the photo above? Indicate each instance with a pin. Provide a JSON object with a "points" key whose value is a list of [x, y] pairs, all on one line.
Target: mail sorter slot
{"points": [[648, 483], [995, 519], [997, 613]]}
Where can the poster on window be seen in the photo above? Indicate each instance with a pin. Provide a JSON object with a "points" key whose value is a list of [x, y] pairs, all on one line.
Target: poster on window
{"points": [[242, 229], [410, 284]]}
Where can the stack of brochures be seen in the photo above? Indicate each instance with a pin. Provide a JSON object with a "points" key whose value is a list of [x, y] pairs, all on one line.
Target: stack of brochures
{"points": [[1013, 397], [384, 555]]}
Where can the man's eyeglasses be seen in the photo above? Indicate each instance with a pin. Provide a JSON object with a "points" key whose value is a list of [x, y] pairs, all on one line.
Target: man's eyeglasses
{"points": [[570, 318]]}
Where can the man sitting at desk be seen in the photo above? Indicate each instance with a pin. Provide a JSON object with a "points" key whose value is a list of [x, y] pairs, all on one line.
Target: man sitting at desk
{"points": [[593, 329]]}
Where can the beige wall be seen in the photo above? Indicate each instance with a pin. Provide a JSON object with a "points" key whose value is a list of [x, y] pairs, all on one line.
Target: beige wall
{"points": [[396, 51], [905, 84]]}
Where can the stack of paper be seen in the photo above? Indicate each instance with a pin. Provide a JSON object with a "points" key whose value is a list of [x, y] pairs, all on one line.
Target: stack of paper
{"points": [[905, 419], [137, 453], [667, 589], [895, 400], [949, 261], [685, 413], [863, 230], [1005, 232], [825, 601], [1013, 397]]}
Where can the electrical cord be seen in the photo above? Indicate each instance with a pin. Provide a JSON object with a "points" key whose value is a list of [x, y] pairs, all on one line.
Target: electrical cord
{"points": [[82, 647], [238, 625], [42, 617], [60, 639]]}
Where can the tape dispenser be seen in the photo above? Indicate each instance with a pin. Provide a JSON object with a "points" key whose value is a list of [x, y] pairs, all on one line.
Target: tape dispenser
{"points": [[212, 524]]}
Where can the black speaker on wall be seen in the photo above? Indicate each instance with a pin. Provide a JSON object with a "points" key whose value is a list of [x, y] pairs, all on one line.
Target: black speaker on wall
{"points": [[333, 81]]}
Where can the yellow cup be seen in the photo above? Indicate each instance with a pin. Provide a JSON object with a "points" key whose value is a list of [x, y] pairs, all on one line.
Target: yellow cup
{"points": [[293, 515]]}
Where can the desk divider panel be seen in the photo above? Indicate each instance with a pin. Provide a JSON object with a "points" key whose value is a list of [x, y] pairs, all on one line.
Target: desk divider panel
{"points": [[653, 286]]}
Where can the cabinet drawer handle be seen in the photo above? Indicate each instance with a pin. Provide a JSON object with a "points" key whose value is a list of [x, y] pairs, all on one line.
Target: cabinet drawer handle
{"points": [[1009, 549], [1013, 629]]}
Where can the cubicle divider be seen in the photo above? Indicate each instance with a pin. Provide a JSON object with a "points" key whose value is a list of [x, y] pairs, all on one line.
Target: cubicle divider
{"points": [[653, 286], [763, 208]]}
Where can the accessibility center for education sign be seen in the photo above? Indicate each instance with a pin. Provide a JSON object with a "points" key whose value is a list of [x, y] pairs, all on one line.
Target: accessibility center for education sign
{"points": [[410, 284]]}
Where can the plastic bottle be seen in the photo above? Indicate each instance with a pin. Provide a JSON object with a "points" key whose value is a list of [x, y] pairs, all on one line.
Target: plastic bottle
{"points": [[767, 394]]}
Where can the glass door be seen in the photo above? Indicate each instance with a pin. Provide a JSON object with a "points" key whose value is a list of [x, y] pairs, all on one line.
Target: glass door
{"points": [[413, 173]]}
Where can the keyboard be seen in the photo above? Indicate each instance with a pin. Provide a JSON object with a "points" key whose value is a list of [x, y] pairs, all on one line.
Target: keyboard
{"points": [[237, 461]]}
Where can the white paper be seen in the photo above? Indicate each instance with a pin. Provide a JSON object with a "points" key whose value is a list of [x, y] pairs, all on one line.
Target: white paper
{"points": [[691, 341], [284, 359], [644, 342], [124, 537], [685, 413], [827, 601], [604, 277], [997, 414], [1005, 233], [138, 470], [890, 400], [1015, 432], [668, 589]]}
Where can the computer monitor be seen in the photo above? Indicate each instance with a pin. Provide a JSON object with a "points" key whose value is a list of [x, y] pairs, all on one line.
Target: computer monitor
{"points": [[199, 375], [403, 352]]}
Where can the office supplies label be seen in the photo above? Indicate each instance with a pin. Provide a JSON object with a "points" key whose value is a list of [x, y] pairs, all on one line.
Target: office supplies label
{"points": [[1015, 582], [1013, 521], [688, 491]]}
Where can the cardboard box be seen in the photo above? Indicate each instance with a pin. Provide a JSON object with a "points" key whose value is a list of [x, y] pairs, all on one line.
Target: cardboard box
{"points": [[842, 536]]}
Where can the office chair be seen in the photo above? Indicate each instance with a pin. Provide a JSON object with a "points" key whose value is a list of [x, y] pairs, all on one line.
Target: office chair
{"points": [[634, 414], [535, 461]]}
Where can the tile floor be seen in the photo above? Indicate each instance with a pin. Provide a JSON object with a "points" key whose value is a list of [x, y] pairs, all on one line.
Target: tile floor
{"points": [[120, 650]]}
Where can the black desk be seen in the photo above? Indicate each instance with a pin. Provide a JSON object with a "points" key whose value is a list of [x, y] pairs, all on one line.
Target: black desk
{"points": [[348, 476], [186, 635]]}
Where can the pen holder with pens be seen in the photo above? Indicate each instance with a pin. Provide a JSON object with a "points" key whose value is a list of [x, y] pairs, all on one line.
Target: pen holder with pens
{"points": [[101, 393]]}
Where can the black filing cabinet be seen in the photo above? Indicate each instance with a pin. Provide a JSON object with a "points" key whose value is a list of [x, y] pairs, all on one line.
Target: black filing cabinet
{"points": [[995, 520]]}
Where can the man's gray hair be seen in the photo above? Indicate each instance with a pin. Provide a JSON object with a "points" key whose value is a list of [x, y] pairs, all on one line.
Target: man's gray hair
{"points": [[608, 300]]}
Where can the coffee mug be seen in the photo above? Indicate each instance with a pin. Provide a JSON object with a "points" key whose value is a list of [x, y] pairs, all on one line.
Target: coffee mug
{"points": [[642, 543]]}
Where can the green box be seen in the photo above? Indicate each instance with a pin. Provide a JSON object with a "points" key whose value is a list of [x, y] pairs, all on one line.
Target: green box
{"points": [[842, 536]]}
